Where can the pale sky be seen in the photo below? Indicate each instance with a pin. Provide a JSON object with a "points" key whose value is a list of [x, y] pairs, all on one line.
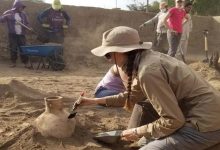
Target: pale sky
{"points": [[101, 3]]}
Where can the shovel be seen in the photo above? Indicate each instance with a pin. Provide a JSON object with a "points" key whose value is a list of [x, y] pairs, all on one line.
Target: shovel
{"points": [[205, 32], [41, 38], [75, 105]]}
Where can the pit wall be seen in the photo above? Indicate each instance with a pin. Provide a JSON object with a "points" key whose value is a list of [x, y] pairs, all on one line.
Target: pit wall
{"points": [[88, 24]]}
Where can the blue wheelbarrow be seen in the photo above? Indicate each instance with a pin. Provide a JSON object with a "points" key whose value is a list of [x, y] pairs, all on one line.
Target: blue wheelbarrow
{"points": [[51, 53]]}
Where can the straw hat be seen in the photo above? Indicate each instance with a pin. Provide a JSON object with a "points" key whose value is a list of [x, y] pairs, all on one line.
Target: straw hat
{"points": [[120, 39]]}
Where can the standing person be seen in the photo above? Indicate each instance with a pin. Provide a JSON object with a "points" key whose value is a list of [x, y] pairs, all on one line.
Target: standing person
{"points": [[56, 20], [177, 94], [161, 31], [111, 83], [187, 28], [16, 32], [173, 21]]}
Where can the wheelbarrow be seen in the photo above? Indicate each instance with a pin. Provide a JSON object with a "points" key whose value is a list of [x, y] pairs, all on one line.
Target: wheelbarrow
{"points": [[51, 53]]}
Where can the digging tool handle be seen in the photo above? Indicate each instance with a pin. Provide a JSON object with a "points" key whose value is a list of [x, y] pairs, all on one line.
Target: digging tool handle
{"points": [[30, 29], [41, 38], [206, 43]]}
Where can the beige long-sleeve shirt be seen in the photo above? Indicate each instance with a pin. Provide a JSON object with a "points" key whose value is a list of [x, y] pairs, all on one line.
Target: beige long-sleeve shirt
{"points": [[178, 94]]}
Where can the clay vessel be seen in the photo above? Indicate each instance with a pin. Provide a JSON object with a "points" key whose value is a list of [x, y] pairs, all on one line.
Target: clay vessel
{"points": [[54, 121]]}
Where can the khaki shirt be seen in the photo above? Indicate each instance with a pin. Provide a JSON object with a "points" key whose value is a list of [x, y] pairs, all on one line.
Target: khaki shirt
{"points": [[178, 94]]}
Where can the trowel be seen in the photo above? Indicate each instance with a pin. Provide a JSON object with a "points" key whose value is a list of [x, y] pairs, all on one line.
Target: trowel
{"points": [[75, 105], [110, 137]]}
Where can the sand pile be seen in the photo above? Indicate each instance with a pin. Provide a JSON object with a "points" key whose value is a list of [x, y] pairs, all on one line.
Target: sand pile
{"points": [[209, 74], [22, 91], [19, 110], [21, 102]]}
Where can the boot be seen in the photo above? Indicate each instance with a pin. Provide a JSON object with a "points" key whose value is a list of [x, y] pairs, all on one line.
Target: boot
{"points": [[143, 113], [213, 62]]}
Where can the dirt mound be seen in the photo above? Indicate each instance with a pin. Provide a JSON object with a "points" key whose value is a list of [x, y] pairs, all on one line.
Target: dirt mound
{"points": [[210, 74], [22, 91], [204, 70], [21, 103], [16, 111], [19, 109]]}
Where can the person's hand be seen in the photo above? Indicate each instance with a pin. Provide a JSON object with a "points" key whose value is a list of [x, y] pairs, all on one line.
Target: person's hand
{"points": [[7, 15], [17, 23], [65, 27], [141, 26], [45, 25], [130, 135], [87, 101]]}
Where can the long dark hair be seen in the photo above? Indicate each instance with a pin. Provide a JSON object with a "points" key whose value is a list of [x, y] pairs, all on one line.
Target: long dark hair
{"points": [[131, 69]]}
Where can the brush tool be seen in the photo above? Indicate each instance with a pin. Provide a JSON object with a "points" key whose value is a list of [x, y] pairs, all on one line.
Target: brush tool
{"points": [[75, 105]]}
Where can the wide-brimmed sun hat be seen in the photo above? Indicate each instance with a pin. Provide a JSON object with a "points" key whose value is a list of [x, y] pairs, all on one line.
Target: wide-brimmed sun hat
{"points": [[120, 39]]}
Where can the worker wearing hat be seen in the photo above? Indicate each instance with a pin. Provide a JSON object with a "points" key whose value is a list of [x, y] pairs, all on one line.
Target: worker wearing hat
{"points": [[14, 18], [187, 106], [55, 19]]}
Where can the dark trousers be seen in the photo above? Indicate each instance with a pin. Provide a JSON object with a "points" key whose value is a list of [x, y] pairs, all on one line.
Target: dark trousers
{"points": [[56, 37], [160, 43], [15, 41], [173, 41], [50, 36], [102, 92], [186, 138]]}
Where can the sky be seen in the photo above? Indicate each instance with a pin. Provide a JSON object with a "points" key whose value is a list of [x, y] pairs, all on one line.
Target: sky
{"points": [[109, 4]]}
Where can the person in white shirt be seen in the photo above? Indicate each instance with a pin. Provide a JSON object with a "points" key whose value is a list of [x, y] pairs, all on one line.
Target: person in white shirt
{"points": [[14, 17], [160, 42]]}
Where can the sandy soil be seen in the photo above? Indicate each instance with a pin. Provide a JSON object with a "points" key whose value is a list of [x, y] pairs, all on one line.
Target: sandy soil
{"points": [[22, 90], [22, 93]]}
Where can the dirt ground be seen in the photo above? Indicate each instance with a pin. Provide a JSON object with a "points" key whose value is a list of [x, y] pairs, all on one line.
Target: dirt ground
{"points": [[22, 90], [21, 102]]}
